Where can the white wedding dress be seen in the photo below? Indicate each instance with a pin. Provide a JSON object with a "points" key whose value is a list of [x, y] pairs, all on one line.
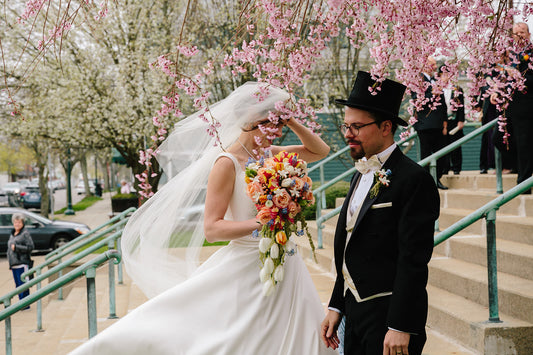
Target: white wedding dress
{"points": [[221, 308]]}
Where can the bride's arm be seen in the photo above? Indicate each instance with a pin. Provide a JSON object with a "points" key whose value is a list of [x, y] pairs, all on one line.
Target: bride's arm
{"points": [[313, 148], [219, 190]]}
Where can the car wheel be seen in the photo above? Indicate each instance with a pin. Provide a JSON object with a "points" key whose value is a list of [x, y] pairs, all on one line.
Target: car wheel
{"points": [[59, 241]]}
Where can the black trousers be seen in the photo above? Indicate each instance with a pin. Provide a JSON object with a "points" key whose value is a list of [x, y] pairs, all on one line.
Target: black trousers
{"points": [[366, 327], [523, 129], [431, 141], [454, 160]]}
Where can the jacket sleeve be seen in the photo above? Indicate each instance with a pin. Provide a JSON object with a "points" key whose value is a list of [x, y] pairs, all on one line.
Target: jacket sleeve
{"points": [[25, 245], [408, 306]]}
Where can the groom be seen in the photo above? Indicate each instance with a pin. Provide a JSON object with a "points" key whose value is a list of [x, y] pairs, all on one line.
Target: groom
{"points": [[384, 236]]}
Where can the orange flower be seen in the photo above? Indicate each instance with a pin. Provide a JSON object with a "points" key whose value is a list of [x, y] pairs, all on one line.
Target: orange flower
{"points": [[281, 237], [254, 190], [263, 216], [293, 209], [298, 183], [282, 199]]}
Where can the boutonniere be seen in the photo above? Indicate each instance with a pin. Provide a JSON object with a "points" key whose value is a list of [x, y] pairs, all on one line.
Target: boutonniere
{"points": [[381, 178]]}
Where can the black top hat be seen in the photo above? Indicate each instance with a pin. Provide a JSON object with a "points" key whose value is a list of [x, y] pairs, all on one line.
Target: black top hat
{"points": [[387, 101]]}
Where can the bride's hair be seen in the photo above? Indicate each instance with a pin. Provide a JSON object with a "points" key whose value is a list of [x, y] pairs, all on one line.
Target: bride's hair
{"points": [[162, 240]]}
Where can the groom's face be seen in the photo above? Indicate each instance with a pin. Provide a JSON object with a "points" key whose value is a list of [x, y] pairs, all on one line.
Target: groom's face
{"points": [[370, 138]]}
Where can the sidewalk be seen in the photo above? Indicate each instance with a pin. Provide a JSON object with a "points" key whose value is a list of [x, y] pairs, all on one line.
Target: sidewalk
{"points": [[93, 216]]}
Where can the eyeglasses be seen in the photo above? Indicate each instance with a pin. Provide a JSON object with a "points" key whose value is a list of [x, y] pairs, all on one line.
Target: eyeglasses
{"points": [[354, 129]]}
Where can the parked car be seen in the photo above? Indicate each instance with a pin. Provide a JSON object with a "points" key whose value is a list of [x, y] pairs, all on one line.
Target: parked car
{"points": [[46, 234], [12, 187], [31, 197], [80, 187], [4, 199]]}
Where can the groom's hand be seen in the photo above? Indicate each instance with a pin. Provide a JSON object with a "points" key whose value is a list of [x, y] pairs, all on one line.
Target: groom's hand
{"points": [[329, 329], [396, 343]]}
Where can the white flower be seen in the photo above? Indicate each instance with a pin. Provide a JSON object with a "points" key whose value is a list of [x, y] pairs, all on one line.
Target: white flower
{"points": [[264, 275], [269, 203], [286, 182], [274, 251], [268, 287], [264, 244], [269, 265], [279, 273]]}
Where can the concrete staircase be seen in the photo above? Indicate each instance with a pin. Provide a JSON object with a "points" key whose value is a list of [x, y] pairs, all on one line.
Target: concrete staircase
{"points": [[458, 292]]}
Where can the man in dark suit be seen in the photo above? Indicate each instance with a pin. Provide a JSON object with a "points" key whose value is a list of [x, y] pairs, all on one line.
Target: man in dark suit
{"points": [[431, 124], [384, 236], [520, 109]]}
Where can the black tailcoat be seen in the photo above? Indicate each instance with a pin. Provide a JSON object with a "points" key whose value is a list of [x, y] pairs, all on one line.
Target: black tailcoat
{"points": [[390, 247]]}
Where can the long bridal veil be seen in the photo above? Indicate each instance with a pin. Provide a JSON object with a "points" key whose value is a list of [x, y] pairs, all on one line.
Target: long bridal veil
{"points": [[162, 240]]}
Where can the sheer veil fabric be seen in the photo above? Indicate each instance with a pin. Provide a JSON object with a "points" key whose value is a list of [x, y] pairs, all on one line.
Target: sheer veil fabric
{"points": [[162, 240]]}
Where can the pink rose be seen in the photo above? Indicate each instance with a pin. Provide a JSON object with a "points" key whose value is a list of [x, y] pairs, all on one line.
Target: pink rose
{"points": [[254, 190], [263, 216], [282, 199], [293, 209], [298, 183]]}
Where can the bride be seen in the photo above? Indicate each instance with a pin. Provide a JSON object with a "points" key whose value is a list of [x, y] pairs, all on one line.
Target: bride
{"points": [[216, 307]]}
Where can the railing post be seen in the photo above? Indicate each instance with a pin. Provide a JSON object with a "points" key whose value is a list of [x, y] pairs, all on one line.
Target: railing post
{"points": [[9, 348], [90, 274], [498, 166], [433, 172], [59, 274], [39, 306], [492, 267], [112, 298], [119, 266], [323, 193]]}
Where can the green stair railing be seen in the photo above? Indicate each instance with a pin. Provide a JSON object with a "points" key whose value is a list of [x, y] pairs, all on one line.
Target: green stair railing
{"points": [[107, 241], [115, 224], [88, 269], [432, 159], [320, 191], [488, 211]]}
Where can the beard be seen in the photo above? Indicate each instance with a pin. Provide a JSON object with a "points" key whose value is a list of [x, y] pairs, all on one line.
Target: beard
{"points": [[358, 153]]}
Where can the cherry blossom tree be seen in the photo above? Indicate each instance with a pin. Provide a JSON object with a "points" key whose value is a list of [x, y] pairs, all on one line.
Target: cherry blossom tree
{"points": [[282, 42]]}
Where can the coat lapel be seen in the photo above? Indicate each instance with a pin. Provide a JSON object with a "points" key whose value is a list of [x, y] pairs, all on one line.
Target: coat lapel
{"points": [[389, 164]]}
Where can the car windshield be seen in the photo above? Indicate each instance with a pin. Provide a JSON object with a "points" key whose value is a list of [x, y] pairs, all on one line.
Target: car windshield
{"points": [[32, 188]]}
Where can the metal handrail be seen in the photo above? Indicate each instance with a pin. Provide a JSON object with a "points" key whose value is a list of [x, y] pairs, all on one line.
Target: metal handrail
{"points": [[432, 159], [88, 269], [320, 191], [74, 241], [487, 211], [107, 241]]}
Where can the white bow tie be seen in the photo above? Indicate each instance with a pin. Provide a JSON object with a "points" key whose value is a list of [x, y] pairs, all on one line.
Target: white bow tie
{"points": [[364, 166]]}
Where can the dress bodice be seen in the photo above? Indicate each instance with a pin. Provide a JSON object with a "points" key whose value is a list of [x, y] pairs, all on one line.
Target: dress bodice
{"points": [[241, 206]]}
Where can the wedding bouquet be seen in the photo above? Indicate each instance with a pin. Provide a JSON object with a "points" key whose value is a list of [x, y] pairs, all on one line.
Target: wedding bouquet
{"points": [[279, 187]]}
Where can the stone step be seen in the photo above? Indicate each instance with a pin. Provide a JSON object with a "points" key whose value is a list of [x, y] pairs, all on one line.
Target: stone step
{"points": [[468, 280], [328, 232], [467, 322], [521, 206], [517, 229], [512, 257], [475, 181]]}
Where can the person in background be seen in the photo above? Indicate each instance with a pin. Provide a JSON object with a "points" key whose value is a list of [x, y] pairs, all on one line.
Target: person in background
{"points": [[19, 248], [520, 109], [431, 125], [124, 187], [454, 98]]}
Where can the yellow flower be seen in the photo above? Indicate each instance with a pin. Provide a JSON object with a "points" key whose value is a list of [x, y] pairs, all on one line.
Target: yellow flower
{"points": [[281, 237]]}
